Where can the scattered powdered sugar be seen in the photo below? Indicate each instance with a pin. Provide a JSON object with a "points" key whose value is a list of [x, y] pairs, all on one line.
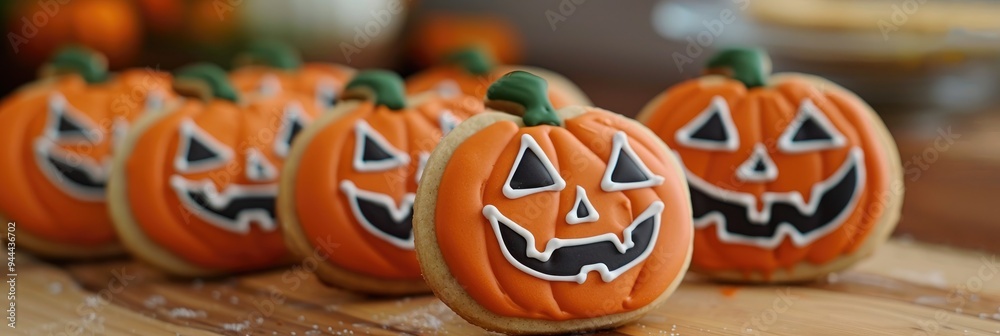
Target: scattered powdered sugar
{"points": [[237, 327], [91, 301], [187, 313], [429, 318], [154, 301], [55, 288]]}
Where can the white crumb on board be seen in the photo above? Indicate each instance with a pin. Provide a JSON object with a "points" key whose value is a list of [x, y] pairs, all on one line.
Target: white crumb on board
{"points": [[237, 327], [425, 319], [932, 278], [154, 301], [187, 313]]}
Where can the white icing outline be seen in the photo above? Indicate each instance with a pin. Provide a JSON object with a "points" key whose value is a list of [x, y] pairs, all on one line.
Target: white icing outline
{"points": [[58, 109], [155, 101], [808, 109], [240, 225], [256, 159], [294, 113], [269, 85], [188, 130], [422, 158], [528, 142], [746, 172], [326, 92], [397, 212], [620, 145], [448, 88], [447, 121], [398, 158], [46, 149], [732, 143], [118, 131], [495, 218], [749, 201], [581, 198]]}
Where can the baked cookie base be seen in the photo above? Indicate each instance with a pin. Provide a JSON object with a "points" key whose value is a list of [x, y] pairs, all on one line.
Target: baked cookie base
{"points": [[444, 285], [299, 244], [806, 271]]}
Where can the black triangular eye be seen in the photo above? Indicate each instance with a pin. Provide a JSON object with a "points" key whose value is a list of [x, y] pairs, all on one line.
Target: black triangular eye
{"points": [[65, 125], [258, 168], [583, 211], [293, 122], [199, 151], [532, 172], [625, 169], [759, 167], [810, 131], [712, 129], [372, 152]]}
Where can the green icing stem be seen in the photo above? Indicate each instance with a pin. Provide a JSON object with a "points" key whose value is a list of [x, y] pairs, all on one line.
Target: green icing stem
{"points": [[89, 64], [386, 86], [474, 60], [529, 91], [212, 76], [751, 66], [273, 54]]}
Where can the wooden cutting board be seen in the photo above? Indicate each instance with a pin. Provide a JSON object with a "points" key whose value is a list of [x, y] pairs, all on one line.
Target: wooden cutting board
{"points": [[907, 288]]}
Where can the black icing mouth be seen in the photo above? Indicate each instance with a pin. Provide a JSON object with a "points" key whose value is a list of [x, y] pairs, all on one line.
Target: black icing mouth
{"points": [[233, 209], [783, 214], [77, 176], [379, 214], [573, 259]]}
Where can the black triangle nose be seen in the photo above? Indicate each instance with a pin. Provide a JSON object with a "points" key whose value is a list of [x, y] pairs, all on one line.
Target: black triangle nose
{"points": [[759, 167]]}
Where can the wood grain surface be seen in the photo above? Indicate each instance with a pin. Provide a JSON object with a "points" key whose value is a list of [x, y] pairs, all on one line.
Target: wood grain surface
{"points": [[907, 288]]}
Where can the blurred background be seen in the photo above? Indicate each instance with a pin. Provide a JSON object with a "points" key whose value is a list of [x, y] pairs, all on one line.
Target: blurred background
{"points": [[930, 68]]}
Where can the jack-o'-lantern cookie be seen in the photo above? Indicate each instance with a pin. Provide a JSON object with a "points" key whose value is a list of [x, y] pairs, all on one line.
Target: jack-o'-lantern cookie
{"points": [[267, 67], [548, 221], [350, 181], [791, 176], [60, 133], [471, 71], [196, 185]]}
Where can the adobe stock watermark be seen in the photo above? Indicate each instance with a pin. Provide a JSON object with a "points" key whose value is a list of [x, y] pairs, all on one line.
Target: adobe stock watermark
{"points": [[899, 16], [714, 28], [30, 27], [763, 321], [960, 295], [565, 9], [364, 34]]}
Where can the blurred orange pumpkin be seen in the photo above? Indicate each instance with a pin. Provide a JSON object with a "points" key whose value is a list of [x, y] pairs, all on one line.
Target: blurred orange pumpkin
{"points": [[108, 26], [440, 35]]}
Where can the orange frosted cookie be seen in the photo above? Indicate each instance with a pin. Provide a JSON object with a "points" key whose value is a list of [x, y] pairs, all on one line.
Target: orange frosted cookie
{"points": [[60, 134], [548, 221], [791, 176], [267, 67], [350, 181], [196, 186]]}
